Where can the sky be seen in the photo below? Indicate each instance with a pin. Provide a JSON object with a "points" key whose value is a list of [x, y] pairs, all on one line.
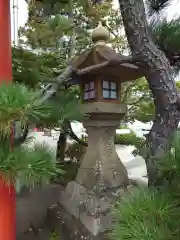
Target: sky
{"points": [[173, 10]]}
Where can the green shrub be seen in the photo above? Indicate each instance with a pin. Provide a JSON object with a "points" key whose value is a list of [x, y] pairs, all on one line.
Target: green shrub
{"points": [[128, 139], [123, 126], [140, 148]]}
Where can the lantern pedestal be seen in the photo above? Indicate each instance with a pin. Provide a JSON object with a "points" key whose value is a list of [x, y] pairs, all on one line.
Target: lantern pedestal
{"points": [[102, 177]]}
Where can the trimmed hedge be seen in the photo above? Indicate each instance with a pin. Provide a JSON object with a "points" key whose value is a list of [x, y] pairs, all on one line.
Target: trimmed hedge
{"points": [[128, 139]]}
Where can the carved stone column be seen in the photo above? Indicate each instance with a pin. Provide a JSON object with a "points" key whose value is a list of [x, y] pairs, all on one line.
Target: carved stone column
{"points": [[101, 177], [101, 167]]}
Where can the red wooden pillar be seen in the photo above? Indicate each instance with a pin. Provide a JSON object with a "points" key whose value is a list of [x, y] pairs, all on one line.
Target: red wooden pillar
{"points": [[7, 193]]}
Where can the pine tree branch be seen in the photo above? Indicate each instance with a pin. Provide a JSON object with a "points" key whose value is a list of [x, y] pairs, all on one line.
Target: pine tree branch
{"points": [[156, 6], [68, 130], [75, 137], [125, 93], [22, 138], [50, 90]]}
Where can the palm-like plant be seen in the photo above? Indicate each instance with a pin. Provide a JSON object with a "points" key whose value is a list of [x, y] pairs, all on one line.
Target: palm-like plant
{"points": [[23, 105]]}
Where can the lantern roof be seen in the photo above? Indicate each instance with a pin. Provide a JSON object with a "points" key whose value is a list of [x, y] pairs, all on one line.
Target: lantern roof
{"points": [[104, 61]]}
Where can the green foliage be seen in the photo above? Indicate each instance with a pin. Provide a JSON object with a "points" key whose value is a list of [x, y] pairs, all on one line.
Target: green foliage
{"points": [[153, 214], [31, 165], [123, 126], [128, 139], [32, 68], [54, 236], [145, 112], [64, 106], [20, 104], [71, 19], [168, 32], [138, 97], [145, 214], [48, 33], [169, 166], [140, 148], [166, 35], [25, 67], [156, 6]]}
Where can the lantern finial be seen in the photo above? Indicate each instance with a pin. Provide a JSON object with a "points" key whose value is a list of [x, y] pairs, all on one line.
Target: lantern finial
{"points": [[100, 34]]}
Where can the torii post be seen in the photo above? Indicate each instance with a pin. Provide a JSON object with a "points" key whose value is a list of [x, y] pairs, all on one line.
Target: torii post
{"points": [[7, 192]]}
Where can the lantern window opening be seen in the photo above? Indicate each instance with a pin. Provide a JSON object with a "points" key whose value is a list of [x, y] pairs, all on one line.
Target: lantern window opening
{"points": [[89, 91], [109, 90]]}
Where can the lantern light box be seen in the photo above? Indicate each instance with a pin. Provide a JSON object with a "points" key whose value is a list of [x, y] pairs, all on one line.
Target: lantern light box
{"points": [[100, 90], [102, 84]]}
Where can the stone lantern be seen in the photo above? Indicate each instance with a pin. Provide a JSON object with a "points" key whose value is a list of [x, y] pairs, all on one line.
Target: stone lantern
{"points": [[101, 176]]}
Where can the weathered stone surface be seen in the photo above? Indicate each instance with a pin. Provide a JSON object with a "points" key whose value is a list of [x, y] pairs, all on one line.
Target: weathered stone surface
{"points": [[60, 220], [31, 207], [45, 234], [28, 236], [101, 176], [106, 108], [42, 233], [101, 166], [93, 210]]}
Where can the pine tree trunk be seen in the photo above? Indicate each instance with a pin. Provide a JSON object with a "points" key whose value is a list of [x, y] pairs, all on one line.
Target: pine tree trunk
{"points": [[61, 147], [158, 73], [62, 142]]}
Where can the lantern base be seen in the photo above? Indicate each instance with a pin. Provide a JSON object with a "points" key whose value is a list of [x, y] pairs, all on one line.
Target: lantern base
{"points": [[92, 210]]}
